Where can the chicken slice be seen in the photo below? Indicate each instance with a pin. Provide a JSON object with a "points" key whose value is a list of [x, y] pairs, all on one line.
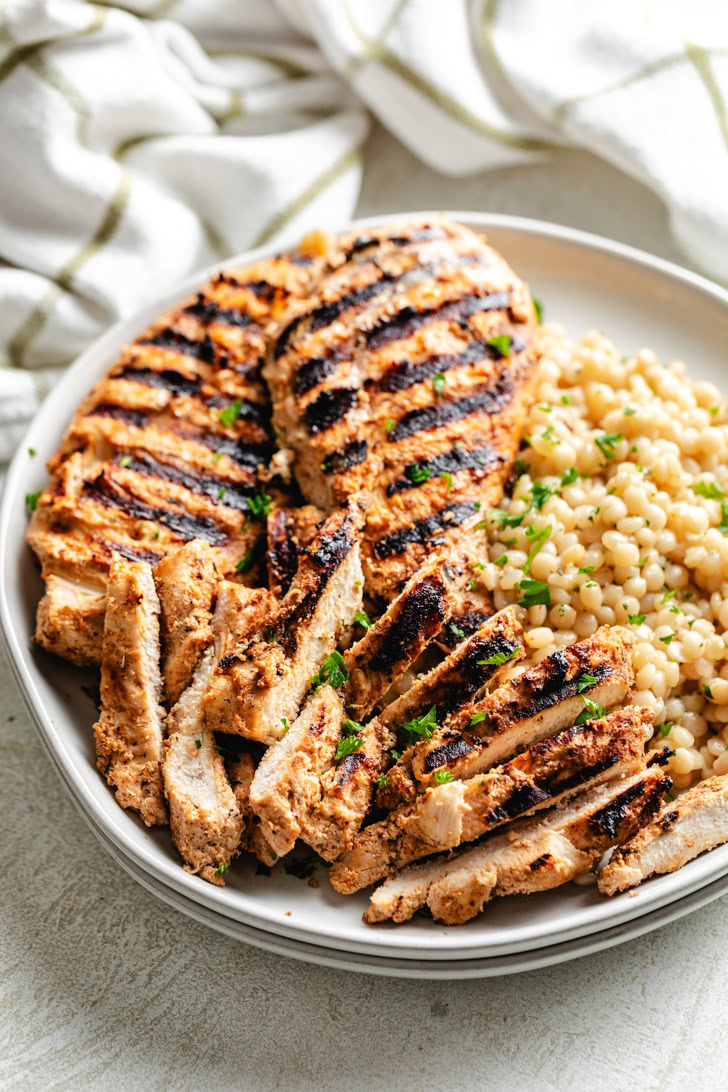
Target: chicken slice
{"points": [[397, 638], [130, 731], [207, 824], [530, 707], [461, 811], [187, 585], [287, 782], [448, 687], [258, 686], [70, 619], [695, 822], [290, 530], [346, 793], [531, 855]]}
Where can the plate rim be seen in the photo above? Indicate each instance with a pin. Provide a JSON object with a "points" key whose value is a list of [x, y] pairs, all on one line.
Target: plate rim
{"points": [[697, 875]]}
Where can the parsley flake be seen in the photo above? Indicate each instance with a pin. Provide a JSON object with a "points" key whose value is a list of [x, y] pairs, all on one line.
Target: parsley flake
{"points": [[478, 718], [585, 682], [538, 308], [382, 781], [499, 658], [438, 383], [423, 726], [607, 443], [667, 639], [198, 743], [501, 560], [540, 493], [505, 519], [592, 711], [333, 671], [709, 490], [363, 619], [125, 460], [586, 569], [538, 538], [222, 868], [535, 592], [448, 479], [31, 500], [230, 414], [629, 411], [636, 619], [217, 456], [442, 777], [501, 343], [569, 476], [418, 473], [259, 505], [389, 424]]}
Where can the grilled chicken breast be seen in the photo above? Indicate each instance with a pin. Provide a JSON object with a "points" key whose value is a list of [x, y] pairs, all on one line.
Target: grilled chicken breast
{"points": [[532, 855], [530, 707], [460, 811], [397, 638], [206, 821], [187, 587], [287, 782], [695, 822], [130, 731], [407, 372], [265, 681], [290, 530], [168, 447]]}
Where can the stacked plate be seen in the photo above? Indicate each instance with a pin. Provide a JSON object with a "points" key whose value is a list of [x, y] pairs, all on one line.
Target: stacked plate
{"points": [[585, 282]]}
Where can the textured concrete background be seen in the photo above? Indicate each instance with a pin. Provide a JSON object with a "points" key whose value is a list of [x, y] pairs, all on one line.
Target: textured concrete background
{"points": [[103, 987]]}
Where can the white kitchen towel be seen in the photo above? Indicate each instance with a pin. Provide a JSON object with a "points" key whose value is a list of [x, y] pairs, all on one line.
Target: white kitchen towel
{"points": [[141, 141]]}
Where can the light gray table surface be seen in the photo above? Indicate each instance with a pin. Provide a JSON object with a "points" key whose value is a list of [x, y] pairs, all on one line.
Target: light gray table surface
{"points": [[103, 987]]}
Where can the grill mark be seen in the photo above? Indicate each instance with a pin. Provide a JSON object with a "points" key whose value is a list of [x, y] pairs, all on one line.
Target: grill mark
{"points": [[256, 412], [119, 413], [329, 556], [421, 615], [423, 530], [208, 310], [313, 371], [456, 747], [352, 455], [405, 374], [179, 343], [132, 554], [241, 451], [409, 320], [330, 406], [420, 235], [540, 862], [349, 767], [226, 662], [668, 820], [328, 312], [334, 549], [490, 399], [236, 493], [449, 462], [608, 819], [468, 622], [182, 524], [282, 551], [556, 686], [166, 379]]}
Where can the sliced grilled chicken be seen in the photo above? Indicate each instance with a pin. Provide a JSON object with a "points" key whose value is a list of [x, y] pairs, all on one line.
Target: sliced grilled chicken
{"points": [[130, 731], [187, 586], [695, 822], [531, 707], [408, 372], [532, 855], [70, 619], [287, 782], [347, 790], [255, 688], [397, 638], [169, 446], [241, 771], [448, 687], [206, 821], [460, 811], [290, 530]]}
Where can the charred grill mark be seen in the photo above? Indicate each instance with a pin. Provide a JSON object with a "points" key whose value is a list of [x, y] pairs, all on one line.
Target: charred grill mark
{"points": [[103, 491], [491, 399], [166, 379], [179, 343], [421, 615], [540, 862], [208, 310], [419, 235], [119, 413], [671, 817], [405, 374], [330, 407], [409, 320], [328, 312], [558, 683], [467, 622], [131, 553], [330, 554], [608, 820], [313, 371], [235, 494], [333, 550], [352, 455], [455, 747], [226, 662], [422, 530], [242, 452], [520, 800], [449, 462], [349, 767], [256, 412], [282, 551]]}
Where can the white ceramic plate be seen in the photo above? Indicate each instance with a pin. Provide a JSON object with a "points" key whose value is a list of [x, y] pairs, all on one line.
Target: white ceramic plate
{"points": [[584, 282]]}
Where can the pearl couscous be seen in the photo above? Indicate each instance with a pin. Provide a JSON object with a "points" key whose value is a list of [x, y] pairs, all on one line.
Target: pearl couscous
{"points": [[619, 516]]}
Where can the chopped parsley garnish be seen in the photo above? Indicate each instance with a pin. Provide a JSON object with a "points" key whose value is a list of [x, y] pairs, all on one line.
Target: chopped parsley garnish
{"points": [[505, 519], [286, 725], [448, 479], [666, 727], [723, 525], [669, 595], [31, 500], [333, 671], [520, 467], [567, 399], [709, 490], [501, 343], [423, 726], [442, 777], [32, 451], [501, 560], [569, 476], [230, 414], [222, 868], [586, 569], [363, 619], [438, 383], [418, 473], [538, 538], [221, 492], [499, 658], [667, 639], [348, 743], [540, 493], [714, 411], [629, 411], [270, 633], [217, 456], [636, 619], [456, 631], [382, 781], [389, 424], [592, 711], [198, 743], [641, 564], [534, 593], [548, 435], [538, 308], [607, 443], [585, 682], [125, 460], [248, 559], [259, 505], [478, 718], [396, 755], [707, 691]]}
